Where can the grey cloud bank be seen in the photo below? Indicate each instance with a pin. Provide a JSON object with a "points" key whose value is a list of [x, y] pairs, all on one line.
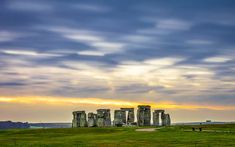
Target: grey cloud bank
{"points": [[179, 51]]}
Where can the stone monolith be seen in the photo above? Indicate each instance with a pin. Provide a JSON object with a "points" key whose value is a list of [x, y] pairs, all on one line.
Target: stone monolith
{"points": [[79, 119], [156, 117], [91, 119], [144, 115], [130, 115], [103, 118], [118, 118]]}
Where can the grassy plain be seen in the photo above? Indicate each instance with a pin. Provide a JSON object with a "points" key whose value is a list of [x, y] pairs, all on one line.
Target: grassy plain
{"points": [[211, 136]]}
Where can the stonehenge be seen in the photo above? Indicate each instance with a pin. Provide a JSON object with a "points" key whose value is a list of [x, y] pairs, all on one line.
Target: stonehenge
{"points": [[122, 117]]}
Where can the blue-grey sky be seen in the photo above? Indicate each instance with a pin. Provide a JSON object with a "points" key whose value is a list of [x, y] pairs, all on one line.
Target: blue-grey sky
{"points": [[173, 52]]}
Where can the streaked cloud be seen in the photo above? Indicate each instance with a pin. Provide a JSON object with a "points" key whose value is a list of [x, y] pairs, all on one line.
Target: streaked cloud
{"points": [[173, 24], [29, 53], [97, 41], [91, 53], [179, 55], [164, 61], [138, 38], [7, 36], [92, 8], [83, 37], [108, 102], [27, 5], [199, 42], [217, 59]]}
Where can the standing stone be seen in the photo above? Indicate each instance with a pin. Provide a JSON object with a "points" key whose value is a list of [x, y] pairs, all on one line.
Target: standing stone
{"points": [[164, 119], [156, 116], [79, 119], [143, 115], [130, 115], [100, 119], [118, 118], [168, 120], [91, 119], [107, 121], [156, 119], [123, 116], [103, 118]]}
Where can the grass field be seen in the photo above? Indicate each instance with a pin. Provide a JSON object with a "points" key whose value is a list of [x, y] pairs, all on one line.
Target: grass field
{"points": [[211, 136]]}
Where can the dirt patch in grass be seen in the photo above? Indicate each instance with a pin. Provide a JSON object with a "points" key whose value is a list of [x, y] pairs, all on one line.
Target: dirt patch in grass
{"points": [[146, 130]]}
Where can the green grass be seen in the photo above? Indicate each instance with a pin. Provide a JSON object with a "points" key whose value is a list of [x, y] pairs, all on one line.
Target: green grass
{"points": [[211, 136]]}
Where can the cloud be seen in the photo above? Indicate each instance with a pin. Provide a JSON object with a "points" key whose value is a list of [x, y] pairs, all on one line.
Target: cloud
{"points": [[173, 24], [138, 38], [199, 42], [83, 37], [145, 67], [164, 61], [107, 102], [11, 84], [100, 44], [102, 50], [27, 5], [217, 59], [162, 27], [92, 8], [7, 36], [29, 53], [107, 47], [91, 53]]}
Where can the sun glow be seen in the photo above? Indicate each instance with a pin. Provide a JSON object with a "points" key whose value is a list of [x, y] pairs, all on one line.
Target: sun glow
{"points": [[107, 102]]}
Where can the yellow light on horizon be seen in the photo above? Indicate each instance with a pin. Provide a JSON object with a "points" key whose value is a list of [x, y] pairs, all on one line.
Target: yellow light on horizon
{"points": [[108, 102]]}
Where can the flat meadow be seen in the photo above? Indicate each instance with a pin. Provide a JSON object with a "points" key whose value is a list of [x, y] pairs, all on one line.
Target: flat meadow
{"points": [[211, 136]]}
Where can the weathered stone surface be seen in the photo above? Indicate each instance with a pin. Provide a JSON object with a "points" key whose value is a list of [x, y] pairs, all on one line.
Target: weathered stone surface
{"points": [[100, 118], [103, 118], [118, 118], [143, 115], [123, 116], [168, 119], [130, 115], [156, 117], [163, 117], [121, 119], [92, 119], [79, 119]]}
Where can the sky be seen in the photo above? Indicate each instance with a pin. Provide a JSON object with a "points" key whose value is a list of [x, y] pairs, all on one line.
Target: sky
{"points": [[61, 56]]}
